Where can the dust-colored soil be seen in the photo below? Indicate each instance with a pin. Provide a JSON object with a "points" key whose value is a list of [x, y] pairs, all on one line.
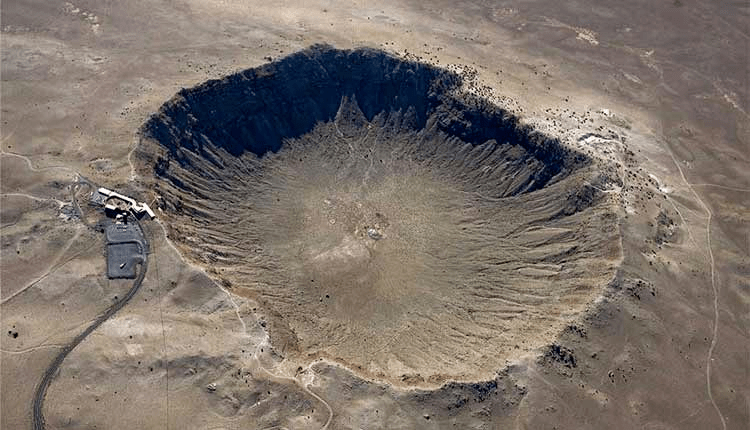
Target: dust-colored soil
{"points": [[657, 91]]}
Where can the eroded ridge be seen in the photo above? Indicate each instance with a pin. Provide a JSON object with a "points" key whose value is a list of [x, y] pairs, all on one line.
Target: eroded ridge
{"points": [[381, 220]]}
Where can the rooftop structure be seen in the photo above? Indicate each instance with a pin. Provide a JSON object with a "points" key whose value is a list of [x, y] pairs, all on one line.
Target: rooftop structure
{"points": [[104, 196]]}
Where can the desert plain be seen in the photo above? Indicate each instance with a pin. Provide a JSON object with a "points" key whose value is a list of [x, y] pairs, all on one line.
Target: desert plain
{"points": [[388, 215]]}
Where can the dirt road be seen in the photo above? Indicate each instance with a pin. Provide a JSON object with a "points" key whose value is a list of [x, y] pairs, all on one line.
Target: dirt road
{"points": [[51, 371]]}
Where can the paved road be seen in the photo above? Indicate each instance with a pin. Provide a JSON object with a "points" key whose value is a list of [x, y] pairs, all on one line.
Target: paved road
{"points": [[41, 390]]}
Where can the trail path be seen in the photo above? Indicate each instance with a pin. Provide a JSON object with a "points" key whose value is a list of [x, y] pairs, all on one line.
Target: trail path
{"points": [[37, 169], [56, 264], [303, 386], [744, 190], [712, 262], [60, 203], [32, 349], [41, 390]]}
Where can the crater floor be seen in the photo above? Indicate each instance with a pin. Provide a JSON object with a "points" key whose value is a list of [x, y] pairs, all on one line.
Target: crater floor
{"points": [[381, 219]]}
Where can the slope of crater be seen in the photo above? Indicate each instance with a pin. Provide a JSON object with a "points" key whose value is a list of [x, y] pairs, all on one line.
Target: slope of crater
{"points": [[380, 218]]}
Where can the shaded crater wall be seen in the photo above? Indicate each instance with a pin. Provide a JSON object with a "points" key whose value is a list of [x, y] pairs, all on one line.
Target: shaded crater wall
{"points": [[489, 237], [257, 109]]}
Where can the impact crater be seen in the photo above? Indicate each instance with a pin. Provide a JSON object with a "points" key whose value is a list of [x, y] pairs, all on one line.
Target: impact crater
{"points": [[381, 218]]}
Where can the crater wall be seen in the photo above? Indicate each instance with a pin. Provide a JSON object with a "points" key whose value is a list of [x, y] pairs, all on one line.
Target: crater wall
{"points": [[257, 109], [381, 219]]}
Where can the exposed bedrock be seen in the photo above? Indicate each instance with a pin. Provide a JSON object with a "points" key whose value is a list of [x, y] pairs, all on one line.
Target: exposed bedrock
{"points": [[381, 218]]}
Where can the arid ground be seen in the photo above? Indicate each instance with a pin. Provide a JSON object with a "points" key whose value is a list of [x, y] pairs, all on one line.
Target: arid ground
{"points": [[379, 268]]}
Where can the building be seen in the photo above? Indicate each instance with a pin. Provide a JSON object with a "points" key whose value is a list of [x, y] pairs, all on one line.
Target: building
{"points": [[115, 203]]}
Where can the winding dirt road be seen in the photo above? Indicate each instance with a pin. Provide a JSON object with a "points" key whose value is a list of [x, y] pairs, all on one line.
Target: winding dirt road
{"points": [[51, 371]]}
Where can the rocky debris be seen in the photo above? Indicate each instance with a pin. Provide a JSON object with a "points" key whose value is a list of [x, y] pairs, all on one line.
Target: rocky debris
{"points": [[69, 213], [638, 287], [580, 199], [482, 390], [558, 354], [576, 329], [161, 166], [664, 228], [633, 287], [473, 398]]}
